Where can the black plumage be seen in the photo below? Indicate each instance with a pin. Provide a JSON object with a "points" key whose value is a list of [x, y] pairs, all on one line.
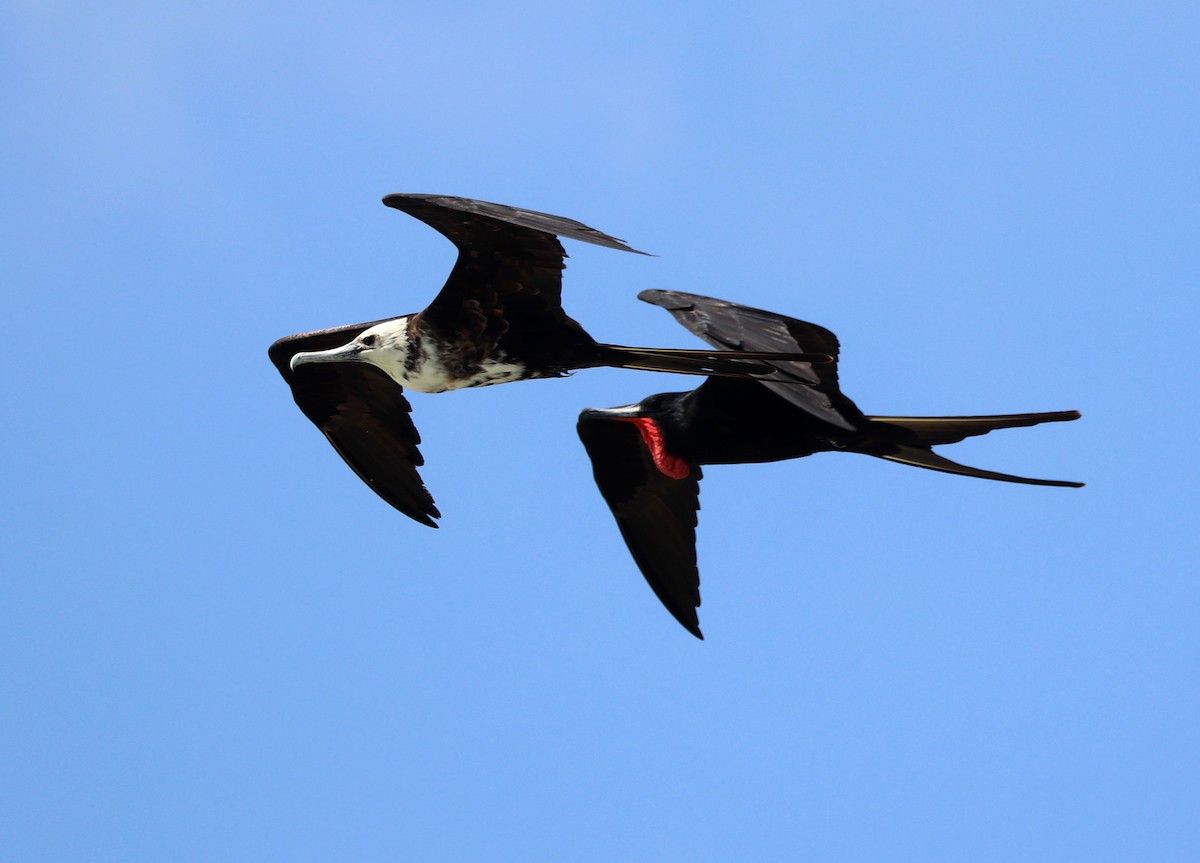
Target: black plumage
{"points": [[647, 457], [498, 318]]}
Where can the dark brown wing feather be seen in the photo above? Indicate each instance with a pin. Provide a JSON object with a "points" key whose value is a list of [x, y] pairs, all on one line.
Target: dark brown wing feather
{"points": [[364, 414], [656, 514], [508, 276], [465, 221], [811, 387]]}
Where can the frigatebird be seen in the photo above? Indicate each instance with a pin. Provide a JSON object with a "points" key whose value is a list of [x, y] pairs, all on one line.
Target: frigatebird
{"points": [[646, 457], [498, 318]]}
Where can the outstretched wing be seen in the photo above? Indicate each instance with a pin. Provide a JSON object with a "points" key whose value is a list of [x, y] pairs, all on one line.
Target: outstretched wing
{"points": [[656, 514], [509, 268], [464, 221], [364, 414], [811, 387]]}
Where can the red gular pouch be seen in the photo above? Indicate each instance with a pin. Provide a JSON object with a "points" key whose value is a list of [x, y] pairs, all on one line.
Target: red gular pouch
{"points": [[668, 465]]}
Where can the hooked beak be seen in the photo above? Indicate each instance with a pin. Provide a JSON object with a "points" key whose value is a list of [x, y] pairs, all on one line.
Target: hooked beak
{"points": [[351, 352], [611, 413]]}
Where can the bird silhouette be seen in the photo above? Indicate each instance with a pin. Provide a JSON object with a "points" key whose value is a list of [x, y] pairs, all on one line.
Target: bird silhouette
{"points": [[647, 457], [498, 318]]}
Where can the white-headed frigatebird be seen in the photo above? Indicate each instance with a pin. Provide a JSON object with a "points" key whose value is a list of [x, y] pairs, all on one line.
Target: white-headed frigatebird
{"points": [[498, 318], [646, 457]]}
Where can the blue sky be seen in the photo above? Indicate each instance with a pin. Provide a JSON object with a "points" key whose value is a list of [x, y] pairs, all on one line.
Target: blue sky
{"points": [[217, 644]]}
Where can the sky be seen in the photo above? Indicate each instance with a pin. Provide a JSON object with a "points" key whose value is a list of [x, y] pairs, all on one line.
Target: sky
{"points": [[217, 644]]}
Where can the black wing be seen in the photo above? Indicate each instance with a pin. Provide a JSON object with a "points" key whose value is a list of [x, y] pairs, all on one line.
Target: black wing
{"points": [[508, 275], [811, 387], [656, 514], [364, 414], [466, 221]]}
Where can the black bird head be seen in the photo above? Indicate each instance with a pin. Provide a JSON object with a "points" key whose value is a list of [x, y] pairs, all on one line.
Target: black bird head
{"points": [[646, 457]]}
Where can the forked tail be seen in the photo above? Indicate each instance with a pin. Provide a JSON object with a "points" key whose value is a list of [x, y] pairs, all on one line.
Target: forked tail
{"points": [[925, 432], [932, 431]]}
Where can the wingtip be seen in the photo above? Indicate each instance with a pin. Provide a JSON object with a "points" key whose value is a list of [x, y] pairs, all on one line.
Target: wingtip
{"points": [[392, 198], [280, 353], [669, 300], [426, 519], [690, 622]]}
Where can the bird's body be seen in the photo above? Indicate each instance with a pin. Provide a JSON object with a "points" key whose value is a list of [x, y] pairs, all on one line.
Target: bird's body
{"points": [[498, 319], [647, 457], [421, 360]]}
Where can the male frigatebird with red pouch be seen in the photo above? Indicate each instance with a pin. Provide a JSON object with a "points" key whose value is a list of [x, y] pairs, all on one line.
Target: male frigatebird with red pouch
{"points": [[499, 318], [646, 457]]}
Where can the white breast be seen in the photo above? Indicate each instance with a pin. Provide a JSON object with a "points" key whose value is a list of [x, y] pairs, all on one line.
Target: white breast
{"points": [[426, 371]]}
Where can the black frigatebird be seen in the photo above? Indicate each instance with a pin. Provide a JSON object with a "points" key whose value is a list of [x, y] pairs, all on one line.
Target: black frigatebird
{"points": [[646, 457], [498, 318]]}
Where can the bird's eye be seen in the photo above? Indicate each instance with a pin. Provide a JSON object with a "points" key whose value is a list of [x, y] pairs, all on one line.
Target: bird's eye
{"points": [[369, 341]]}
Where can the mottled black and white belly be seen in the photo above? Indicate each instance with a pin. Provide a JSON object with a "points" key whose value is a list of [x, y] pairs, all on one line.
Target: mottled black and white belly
{"points": [[420, 361], [427, 365]]}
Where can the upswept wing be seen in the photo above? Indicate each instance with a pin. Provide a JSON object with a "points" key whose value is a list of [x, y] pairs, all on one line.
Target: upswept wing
{"points": [[464, 221], [510, 263], [811, 387], [364, 414]]}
